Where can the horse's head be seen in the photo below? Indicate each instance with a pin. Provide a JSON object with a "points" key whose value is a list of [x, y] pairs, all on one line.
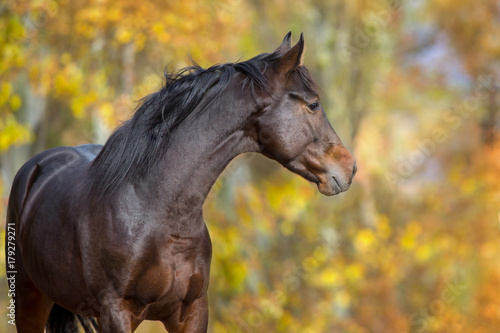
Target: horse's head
{"points": [[293, 128]]}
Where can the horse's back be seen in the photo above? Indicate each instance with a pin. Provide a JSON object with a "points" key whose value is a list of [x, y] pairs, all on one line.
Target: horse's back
{"points": [[52, 162], [65, 155]]}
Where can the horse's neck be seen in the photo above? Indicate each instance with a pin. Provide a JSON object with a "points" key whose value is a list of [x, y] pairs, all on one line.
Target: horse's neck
{"points": [[197, 154]]}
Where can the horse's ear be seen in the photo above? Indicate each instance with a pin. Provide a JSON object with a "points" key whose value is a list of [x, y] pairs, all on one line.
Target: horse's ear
{"points": [[285, 45], [292, 58]]}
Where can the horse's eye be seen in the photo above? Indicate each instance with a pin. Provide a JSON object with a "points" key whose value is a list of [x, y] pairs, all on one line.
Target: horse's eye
{"points": [[314, 106]]}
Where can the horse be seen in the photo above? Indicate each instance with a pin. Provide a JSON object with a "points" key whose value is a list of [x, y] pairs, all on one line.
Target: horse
{"points": [[105, 237]]}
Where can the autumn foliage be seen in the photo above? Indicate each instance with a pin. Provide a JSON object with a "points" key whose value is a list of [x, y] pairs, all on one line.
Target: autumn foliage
{"points": [[411, 87]]}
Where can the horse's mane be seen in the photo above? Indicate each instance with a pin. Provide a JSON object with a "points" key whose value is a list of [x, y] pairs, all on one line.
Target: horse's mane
{"points": [[138, 144]]}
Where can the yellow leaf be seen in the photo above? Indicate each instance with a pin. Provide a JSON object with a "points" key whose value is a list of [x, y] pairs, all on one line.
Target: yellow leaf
{"points": [[78, 107], [408, 240], [383, 227], [15, 102], [123, 35], [354, 272], [5, 90], [364, 240], [309, 264], [424, 252], [12, 133], [329, 277]]}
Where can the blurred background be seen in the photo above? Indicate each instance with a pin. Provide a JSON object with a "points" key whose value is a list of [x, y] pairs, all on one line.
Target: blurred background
{"points": [[412, 88]]}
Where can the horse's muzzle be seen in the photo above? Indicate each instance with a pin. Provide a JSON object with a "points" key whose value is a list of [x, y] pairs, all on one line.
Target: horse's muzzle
{"points": [[337, 181]]}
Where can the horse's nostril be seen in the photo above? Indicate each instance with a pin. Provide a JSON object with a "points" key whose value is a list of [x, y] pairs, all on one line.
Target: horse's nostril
{"points": [[354, 170]]}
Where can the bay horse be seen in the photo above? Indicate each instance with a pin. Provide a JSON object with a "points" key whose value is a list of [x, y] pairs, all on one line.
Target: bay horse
{"points": [[104, 237]]}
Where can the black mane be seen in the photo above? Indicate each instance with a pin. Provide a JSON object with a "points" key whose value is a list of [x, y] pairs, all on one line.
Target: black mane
{"points": [[139, 143]]}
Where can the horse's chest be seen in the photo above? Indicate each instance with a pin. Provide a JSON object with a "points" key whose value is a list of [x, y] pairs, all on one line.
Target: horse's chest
{"points": [[177, 273]]}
